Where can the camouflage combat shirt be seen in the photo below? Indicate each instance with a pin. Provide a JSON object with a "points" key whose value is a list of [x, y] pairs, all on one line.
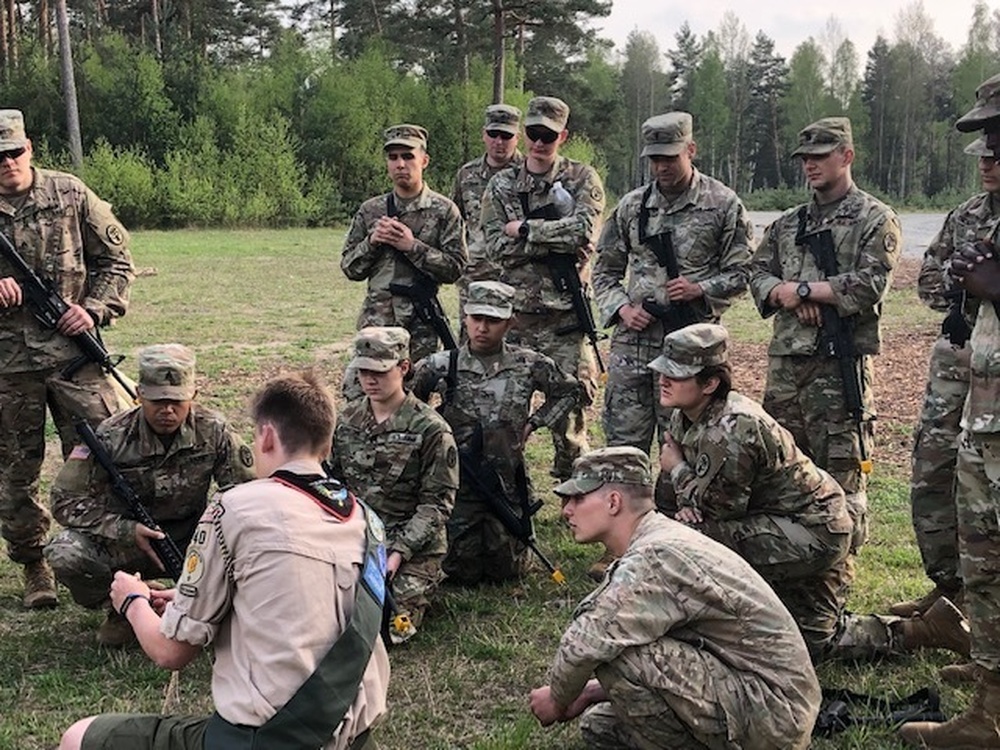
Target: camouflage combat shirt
{"points": [[172, 482], [470, 184], [71, 238]]}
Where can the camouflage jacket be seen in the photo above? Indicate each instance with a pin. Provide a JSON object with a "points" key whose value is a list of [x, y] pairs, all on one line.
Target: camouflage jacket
{"points": [[711, 237], [496, 392], [173, 482], [738, 462], [70, 237], [439, 252], [981, 414], [522, 260], [406, 468], [866, 238], [470, 184], [674, 584]]}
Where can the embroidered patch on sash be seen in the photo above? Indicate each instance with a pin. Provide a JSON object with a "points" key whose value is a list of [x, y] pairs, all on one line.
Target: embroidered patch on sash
{"points": [[246, 456]]}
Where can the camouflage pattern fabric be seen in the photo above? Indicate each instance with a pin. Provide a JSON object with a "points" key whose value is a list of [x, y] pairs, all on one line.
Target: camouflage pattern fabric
{"points": [[690, 642], [173, 483], [711, 236], [71, 237], [406, 468], [495, 391]]}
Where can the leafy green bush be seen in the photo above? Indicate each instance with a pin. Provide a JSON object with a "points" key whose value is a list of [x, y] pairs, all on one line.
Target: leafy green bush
{"points": [[125, 178]]}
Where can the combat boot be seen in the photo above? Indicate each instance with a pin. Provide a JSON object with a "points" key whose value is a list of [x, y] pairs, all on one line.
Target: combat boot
{"points": [[596, 571], [973, 730], [960, 674], [115, 631], [919, 606], [941, 626], [39, 586]]}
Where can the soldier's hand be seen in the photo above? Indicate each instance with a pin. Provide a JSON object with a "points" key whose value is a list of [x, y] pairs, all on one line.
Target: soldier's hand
{"points": [[143, 535], [634, 317], [810, 314], [785, 295], [160, 598], [670, 454], [977, 269], [392, 564], [74, 321], [393, 232], [10, 292], [513, 228], [682, 290], [545, 709], [124, 584], [689, 515]]}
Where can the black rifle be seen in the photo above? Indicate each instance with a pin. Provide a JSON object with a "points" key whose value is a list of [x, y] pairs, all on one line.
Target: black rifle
{"points": [[48, 307], [836, 333], [422, 292], [835, 714], [954, 326], [166, 549]]}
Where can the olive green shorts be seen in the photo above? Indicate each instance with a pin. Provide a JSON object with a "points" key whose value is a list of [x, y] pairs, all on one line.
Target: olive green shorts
{"points": [[145, 732]]}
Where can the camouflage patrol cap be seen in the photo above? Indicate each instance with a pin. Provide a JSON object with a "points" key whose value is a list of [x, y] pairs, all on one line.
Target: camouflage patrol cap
{"points": [[689, 350], [987, 107], [824, 136], [492, 298], [380, 348], [503, 117], [666, 135], [410, 136], [166, 371], [622, 464], [12, 129], [548, 112]]}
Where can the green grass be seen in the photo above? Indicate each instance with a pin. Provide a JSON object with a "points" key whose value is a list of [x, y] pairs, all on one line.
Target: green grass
{"points": [[254, 302]]}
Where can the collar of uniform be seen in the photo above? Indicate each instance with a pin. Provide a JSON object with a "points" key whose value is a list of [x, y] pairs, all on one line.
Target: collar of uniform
{"points": [[539, 183], [152, 445], [419, 201], [688, 197], [848, 207], [486, 171], [8, 208], [302, 466], [402, 415], [469, 361]]}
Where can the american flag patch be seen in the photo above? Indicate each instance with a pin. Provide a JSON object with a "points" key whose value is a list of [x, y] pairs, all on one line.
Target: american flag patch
{"points": [[80, 453]]}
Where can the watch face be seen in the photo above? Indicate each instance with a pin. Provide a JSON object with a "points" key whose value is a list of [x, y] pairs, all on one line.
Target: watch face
{"points": [[804, 289]]}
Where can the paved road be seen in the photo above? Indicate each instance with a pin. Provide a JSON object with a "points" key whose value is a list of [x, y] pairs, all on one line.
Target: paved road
{"points": [[918, 229]]}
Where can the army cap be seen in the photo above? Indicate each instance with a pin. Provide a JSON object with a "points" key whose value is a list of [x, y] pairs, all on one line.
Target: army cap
{"points": [[380, 348], [548, 112], [12, 130], [622, 464], [987, 107], [666, 135], [689, 350], [824, 136], [503, 117], [410, 136], [166, 371], [492, 298]]}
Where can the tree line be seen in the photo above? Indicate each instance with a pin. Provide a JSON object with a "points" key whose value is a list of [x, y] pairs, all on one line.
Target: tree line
{"points": [[268, 112]]}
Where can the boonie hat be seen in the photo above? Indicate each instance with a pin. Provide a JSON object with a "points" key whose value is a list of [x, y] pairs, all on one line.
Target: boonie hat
{"points": [[12, 130], [978, 147], [492, 298], [548, 112], [986, 108], [666, 135], [410, 136], [503, 117], [380, 348], [622, 464], [166, 371], [689, 350], [823, 136]]}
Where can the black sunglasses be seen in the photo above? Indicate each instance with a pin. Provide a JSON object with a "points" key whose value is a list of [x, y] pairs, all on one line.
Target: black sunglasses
{"points": [[502, 134], [541, 134], [14, 154]]}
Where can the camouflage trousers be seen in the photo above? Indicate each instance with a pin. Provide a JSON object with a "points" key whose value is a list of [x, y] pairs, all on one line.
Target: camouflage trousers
{"points": [[935, 452], [538, 331], [632, 411], [978, 502], [23, 398], [479, 546], [415, 583], [86, 564], [806, 395]]}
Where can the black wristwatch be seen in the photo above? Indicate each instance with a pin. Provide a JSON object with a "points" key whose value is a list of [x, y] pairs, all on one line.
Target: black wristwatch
{"points": [[803, 290], [522, 231]]}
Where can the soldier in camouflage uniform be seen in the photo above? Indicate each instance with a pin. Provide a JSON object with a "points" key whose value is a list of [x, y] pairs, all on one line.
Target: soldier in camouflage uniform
{"points": [[689, 646], [709, 236], [399, 454], [169, 450], [487, 387], [935, 441], [805, 389], [976, 269], [500, 136], [395, 236], [521, 246], [71, 238], [731, 471]]}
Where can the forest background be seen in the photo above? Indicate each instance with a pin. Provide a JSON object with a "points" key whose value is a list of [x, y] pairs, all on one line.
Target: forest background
{"points": [[270, 112]]}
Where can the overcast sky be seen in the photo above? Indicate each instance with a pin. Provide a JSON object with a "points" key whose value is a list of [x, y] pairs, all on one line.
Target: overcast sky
{"points": [[788, 22]]}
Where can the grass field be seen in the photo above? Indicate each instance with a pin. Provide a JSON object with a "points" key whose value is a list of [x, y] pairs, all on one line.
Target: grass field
{"points": [[252, 303]]}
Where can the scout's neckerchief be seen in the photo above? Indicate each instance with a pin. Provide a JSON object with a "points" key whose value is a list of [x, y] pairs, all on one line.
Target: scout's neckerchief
{"points": [[310, 718]]}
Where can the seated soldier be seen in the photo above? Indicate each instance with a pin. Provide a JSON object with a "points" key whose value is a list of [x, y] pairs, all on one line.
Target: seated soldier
{"points": [[487, 386], [169, 450], [284, 578], [688, 646], [399, 455], [732, 472]]}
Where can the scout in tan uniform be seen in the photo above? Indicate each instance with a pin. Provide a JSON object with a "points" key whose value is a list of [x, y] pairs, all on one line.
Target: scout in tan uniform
{"points": [[683, 645], [70, 237], [169, 450], [292, 543]]}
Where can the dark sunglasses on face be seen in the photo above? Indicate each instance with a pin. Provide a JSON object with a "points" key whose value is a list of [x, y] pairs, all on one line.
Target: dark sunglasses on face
{"points": [[541, 134], [14, 154], [501, 134]]}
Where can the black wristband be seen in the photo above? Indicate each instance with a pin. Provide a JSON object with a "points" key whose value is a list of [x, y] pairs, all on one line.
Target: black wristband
{"points": [[127, 602]]}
